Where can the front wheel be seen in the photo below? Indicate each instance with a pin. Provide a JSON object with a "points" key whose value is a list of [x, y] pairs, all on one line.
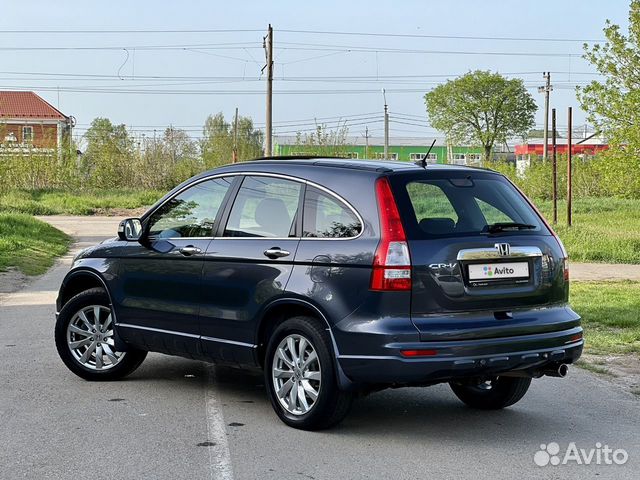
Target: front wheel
{"points": [[84, 337], [493, 393], [300, 376]]}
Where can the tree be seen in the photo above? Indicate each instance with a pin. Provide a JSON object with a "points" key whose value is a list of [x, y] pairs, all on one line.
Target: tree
{"points": [[109, 155], [481, 108], [613, 105], [322, 141], [216, 145]]}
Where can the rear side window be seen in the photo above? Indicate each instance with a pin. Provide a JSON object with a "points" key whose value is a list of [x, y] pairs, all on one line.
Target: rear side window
{"points": [[327, 217], [264, 207], [436, 207]]}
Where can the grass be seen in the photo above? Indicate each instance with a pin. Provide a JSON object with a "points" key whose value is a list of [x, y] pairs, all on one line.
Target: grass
{"points": [[29, 244], [593, 367], [604, 229], [57, 202], [610, 315]]}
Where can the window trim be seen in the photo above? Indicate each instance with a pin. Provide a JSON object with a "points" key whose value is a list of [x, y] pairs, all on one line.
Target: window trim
{"points": [[393, 156], [32, 134], [230, 197], [420, 155]]}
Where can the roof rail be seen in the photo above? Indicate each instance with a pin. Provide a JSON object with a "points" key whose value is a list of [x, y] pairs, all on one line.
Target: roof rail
{"points": [[298, 157]]}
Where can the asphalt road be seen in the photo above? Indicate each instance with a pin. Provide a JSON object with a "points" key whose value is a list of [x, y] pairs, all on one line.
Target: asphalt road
{"points": [[179, 419]]}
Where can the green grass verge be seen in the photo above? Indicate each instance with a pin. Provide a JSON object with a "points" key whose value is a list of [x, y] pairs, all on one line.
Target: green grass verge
{"points": [[604, 229], [29, 244], [610, 315], [57, 202]]}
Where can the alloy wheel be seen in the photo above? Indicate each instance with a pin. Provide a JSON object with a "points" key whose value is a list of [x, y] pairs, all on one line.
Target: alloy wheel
{"points": [[90, 338], [296, 374]]}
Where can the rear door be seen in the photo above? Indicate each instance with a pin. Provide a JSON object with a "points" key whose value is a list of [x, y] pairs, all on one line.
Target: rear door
{"points": [[248, 264], [476, 245]]}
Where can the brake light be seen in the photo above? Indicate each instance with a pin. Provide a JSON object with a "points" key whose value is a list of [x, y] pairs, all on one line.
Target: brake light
{"points": [[391, 263]]}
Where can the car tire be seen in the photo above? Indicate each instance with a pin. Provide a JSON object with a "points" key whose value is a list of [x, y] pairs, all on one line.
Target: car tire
{"points": [[494, 394], [311, 368], [86, 343]]}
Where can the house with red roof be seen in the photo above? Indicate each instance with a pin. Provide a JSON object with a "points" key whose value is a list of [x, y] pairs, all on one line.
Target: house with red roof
{"points": [[28, 122]]}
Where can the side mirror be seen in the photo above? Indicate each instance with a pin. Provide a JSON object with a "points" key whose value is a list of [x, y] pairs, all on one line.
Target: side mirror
{"points": [[130, 229]]}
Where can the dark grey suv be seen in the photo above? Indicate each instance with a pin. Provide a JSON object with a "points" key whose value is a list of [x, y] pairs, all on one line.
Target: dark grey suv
{"points": [[337, 278]]}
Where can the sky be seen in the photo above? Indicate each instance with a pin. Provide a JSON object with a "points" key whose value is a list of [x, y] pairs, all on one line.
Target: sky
{"points": [[206, 57]]}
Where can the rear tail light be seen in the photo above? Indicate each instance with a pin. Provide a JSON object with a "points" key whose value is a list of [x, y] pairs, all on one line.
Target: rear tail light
{"points": [[391, 263]]}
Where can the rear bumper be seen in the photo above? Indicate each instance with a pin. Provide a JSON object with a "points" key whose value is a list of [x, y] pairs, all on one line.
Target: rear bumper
{"points": [[373, 356], [441, 368]]}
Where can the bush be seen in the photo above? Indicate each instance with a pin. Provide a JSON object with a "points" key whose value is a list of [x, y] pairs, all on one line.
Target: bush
{"points": [[597, 177]]}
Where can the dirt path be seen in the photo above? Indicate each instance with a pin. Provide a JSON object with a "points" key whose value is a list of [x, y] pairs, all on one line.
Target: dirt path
{"points": [[604, 271]]}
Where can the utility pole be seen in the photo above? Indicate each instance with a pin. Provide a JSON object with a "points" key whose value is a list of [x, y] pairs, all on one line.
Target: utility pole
{"points": [[555, 166], [546, 89], [366, 139], [268, 46], [386, 126], [569, 153], [235, 138]]}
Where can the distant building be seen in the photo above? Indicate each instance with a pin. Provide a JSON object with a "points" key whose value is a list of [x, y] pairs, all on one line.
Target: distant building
{"points": [[28, 122], [581, 147], [406, 149]]}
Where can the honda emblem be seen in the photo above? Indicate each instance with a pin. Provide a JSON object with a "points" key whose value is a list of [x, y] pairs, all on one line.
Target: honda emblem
{"points": [[504, 249]]}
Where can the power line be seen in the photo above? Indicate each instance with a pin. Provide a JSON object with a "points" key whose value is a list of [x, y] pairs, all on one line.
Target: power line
{"points": [[74, 76], [99, 31], [350, 49], [456, 37], [208, 46], [199, 48], [304, 32]]}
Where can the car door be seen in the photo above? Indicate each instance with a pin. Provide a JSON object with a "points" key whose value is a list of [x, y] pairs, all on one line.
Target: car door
{"points": [[158, 292], [249, 264]]}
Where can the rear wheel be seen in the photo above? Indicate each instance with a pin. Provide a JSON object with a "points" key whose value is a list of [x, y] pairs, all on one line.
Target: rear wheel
{"points": [[84, 337], [493, 393], [300, 376]]}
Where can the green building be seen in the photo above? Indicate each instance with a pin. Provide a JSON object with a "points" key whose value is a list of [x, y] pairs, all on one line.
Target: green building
{"points": [[403, 149]]}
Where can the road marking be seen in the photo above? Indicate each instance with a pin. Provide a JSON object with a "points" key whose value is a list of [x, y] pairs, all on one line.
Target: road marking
{"points": [[219, 456]]}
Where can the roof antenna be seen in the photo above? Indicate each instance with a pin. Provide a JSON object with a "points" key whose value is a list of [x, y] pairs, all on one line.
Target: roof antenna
{"points": [[423, 162]]}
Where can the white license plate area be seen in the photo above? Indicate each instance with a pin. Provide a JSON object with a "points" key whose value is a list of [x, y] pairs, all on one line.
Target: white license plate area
{"points": [[483, 272]]}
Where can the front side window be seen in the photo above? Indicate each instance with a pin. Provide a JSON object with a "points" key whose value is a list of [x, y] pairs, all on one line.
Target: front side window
{"points": [[264, 207], [192, 212], [327, 217]]}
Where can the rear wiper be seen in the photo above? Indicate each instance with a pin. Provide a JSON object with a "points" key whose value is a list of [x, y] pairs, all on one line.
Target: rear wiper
{"points": [[507, 226]]}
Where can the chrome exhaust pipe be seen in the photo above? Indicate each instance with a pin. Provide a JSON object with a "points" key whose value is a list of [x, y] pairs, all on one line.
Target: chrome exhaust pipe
{"points": [[559, 370]]}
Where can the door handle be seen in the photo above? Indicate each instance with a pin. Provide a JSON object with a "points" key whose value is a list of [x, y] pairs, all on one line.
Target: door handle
{"points": [[189, 250], [276, 252]]}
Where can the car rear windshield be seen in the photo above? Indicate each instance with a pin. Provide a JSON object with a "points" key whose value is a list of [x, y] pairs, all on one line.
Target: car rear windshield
{"points": [[444, 204]]}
